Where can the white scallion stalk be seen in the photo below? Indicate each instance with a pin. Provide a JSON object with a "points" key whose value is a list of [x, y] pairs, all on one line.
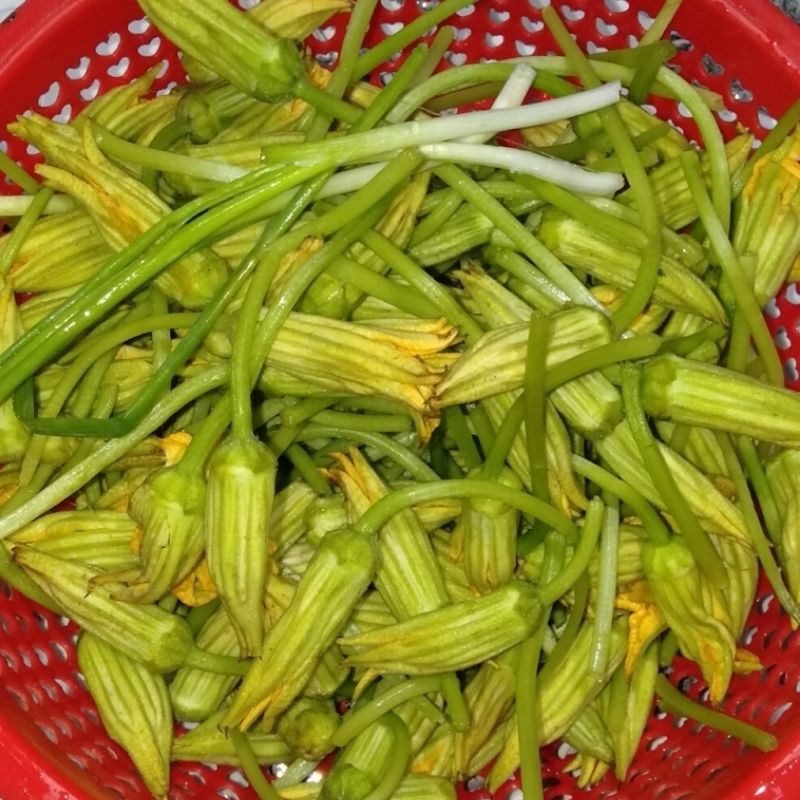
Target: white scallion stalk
{"points": [[553, 170], [17, 205], [512, 95], [363, 146]]}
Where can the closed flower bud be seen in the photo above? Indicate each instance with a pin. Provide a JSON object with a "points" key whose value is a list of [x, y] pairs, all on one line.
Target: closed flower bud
{"points": [[241, 484], [454, 637], [692, 611], [169, 510], [307, 727], [134, 708]]}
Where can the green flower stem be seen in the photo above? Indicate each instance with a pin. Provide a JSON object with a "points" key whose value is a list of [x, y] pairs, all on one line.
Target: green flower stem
{"points": [[606, 589], [414, 465], [712, 139], [394, 502], [661, 22], [647, 72], [161, 339], [169, 135], [527, 722], [366, 423], [307, 469], [587, 544], [640, 294], [304, 410], [105, 455], [456, 428], [295, 773], [758, 480], [653, 524], [448, 205], [12, 243], [252, 770], [406, 35], [504, 440], [746, 302], [161, 160], [447, 81], [528, 244], [758, 540], [409, 300], [395, 769], [571, 629], [9, 167], [697, 540], [100, 346], [482, 426], [454, 700], [675, 702], [417, 278], [325, 102], [772, 142], [528, 679], [134, 266], [535, 400], [206, 437], [601, 357], [199, 615], [219, 665], [361, 718], [436, 50]]}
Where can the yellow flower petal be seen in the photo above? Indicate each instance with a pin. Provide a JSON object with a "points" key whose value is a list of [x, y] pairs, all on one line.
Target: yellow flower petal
{"points": [[174, 446], [197, 588]]}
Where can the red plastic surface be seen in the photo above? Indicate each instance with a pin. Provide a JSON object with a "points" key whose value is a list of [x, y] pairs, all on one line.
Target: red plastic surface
{"points": [[54, 57]]}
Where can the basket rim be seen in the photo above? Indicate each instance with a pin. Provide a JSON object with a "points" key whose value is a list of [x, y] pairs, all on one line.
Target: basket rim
{"points": [[31, 766]]}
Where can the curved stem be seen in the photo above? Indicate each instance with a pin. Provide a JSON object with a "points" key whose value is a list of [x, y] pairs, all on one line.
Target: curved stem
{"points": [[571, 629], [381, 512], [454, 700], [12, 243], [534, 400], [653, 524], [414, 465], [252, 770], [214, 662], [395, 770], [675, 702], [361, 718], [587, 544]]}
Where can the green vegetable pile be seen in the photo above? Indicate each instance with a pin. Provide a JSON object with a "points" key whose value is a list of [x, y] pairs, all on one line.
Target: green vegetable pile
{"points": [[354, 402]]}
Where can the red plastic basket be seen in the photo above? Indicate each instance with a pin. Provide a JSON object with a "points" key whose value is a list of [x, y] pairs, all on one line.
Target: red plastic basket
{"points": [[56, 55]]}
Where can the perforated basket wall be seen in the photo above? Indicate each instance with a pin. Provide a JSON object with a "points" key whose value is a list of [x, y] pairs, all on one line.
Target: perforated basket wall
{"points": [[56, 55]]}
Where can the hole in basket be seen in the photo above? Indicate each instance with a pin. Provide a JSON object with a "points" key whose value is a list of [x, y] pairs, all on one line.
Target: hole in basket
{"points": [[766, 121], [617, 6], [120, 68], [498, 17], [234, 777], [711, 66], [139, 26], [227, 794], [51, 735], [78, 761], [18, 697], [475, 783], [654, 744], [48, 98], [739, 93], [151, 48], [605, 28], [91, 91], [572, 14], [78, 72], [778, 713], [109, 46], [60, 651]]}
